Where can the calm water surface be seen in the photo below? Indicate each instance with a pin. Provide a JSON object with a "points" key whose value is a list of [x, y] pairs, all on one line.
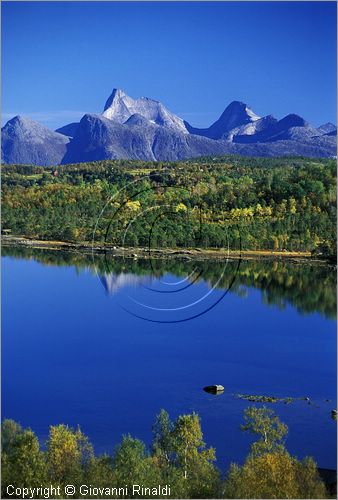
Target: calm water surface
{"points": [[75, 353]]}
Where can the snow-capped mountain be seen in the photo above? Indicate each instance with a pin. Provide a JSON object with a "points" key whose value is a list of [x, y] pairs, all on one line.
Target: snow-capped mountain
{"points": [[145, 129]]}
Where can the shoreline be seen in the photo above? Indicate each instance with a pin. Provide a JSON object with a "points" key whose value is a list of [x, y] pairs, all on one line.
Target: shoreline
{"points": [[158, 253]]}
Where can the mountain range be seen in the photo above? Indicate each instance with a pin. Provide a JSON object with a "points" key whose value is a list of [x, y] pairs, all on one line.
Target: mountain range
{"points": [[145, 129]]}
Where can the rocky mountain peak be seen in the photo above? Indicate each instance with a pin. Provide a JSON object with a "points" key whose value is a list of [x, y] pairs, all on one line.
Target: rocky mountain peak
{"points": [[117, 94], [120, 107], [235, 115], [30, 142], [327, 128], [145, 129], [28, 129], [240, 112], [21, 121]]}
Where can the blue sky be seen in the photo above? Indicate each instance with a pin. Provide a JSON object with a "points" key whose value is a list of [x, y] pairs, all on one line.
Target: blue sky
{"points": [[62, 59]]}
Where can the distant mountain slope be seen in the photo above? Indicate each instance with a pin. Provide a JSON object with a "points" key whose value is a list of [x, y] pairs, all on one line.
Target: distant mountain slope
{"points": [[251, 128], [99, 138], [145, 129], [26, 141], [236, 114], [333, 133], [327, 128], [292, 127]]}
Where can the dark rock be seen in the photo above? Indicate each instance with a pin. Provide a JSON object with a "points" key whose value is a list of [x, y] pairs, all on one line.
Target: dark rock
{"points": [[214, 389]]}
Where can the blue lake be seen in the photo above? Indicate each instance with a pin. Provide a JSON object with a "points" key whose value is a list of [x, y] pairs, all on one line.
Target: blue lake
{"points": [[75, 352]]}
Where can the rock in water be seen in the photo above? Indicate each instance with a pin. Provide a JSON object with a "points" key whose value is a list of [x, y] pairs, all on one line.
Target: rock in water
{"points": [[214, 389]]}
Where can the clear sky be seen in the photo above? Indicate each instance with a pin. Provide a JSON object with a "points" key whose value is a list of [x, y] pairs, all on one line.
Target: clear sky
{"points": [[62, 59]]}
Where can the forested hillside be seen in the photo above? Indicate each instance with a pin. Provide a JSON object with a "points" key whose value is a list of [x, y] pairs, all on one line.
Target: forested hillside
{"points": [[229, 202]]}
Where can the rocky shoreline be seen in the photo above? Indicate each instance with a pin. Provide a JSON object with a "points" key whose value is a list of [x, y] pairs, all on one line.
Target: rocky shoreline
{"points": [[158, 253]]}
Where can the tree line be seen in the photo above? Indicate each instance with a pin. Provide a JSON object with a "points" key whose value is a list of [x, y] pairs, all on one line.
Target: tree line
{"points": [[252, 203], [177, 457]]}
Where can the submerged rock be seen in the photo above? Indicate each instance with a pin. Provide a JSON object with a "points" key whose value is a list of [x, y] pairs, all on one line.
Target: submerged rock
{"points": [[262, 399]]}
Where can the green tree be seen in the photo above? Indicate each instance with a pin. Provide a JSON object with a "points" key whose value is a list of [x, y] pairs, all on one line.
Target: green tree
{"points": [[273, 475], [264, 423], [310, 483], [100, 473], [195, 460], [69, 454], [10, 431], [163, 445], [23, 463], [133, 465]]}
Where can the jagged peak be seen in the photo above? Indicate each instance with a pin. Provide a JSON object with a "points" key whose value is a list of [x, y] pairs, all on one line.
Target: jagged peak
{"points": [[237, 104], [117, 94], [239, 108], [329, 124], [22, 120], [120, 107], [327, 127]]}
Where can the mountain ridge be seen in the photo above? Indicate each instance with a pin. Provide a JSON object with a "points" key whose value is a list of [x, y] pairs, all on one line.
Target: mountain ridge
{"points": [[145, 129]]}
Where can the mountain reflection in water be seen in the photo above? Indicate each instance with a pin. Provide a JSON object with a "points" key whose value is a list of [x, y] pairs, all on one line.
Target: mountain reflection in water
{"points": [[112, 282], [309, 286], [73, 355]]}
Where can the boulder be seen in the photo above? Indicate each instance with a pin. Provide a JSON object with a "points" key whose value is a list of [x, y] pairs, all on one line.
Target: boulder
{"points": [[214, 389]]}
